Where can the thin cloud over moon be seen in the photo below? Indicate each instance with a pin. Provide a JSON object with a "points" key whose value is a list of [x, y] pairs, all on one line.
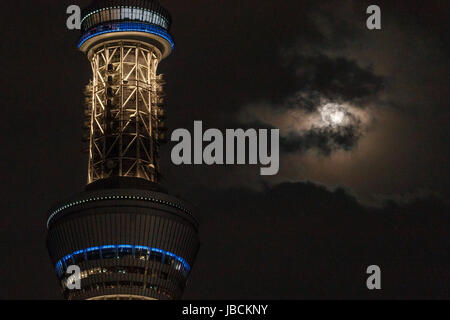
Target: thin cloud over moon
{"points": [[375, 79]]}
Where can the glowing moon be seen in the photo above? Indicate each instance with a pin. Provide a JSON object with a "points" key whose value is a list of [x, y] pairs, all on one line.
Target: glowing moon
{"points": [[332, 114]]}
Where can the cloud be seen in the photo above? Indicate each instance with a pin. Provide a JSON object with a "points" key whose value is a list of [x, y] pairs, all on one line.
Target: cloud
{"points": [[300, 117], [392, 85], [322, 241], [336, 79], [325, 140], [323, 77]]}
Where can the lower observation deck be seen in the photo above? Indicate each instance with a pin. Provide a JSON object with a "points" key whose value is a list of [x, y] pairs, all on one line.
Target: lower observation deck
{"points": [[127, 240]]}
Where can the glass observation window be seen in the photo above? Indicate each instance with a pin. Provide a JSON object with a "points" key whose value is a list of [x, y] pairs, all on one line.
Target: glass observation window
{"points": [[78, 257], [126, 13], [109, 253], [125, 252], [156, 256], [122, 251], [141, 254], [93, 254]]}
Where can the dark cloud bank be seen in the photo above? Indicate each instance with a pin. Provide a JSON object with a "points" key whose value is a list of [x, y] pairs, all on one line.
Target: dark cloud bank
{"points": [[337, 79], [325, 140], [299, 240]]}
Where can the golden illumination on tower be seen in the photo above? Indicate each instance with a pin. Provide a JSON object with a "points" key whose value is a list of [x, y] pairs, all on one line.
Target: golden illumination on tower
{"points": [[124, 111]]}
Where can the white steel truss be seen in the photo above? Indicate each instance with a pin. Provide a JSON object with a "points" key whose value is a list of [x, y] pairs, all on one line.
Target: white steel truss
{"points": [[124, 112]]}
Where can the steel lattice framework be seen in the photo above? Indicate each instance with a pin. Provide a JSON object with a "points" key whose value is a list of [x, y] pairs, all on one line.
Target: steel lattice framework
{"points": [[125, 112]]}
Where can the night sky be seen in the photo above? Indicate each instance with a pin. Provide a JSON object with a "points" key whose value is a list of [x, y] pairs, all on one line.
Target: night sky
{"points": [[371, 190]]}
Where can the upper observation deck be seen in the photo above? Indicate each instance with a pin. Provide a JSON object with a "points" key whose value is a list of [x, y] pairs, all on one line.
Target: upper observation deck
{"points": [[141, 20]]}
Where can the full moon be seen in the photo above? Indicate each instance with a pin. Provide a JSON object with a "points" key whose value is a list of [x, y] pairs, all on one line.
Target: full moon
{"points": [[332, 114]]}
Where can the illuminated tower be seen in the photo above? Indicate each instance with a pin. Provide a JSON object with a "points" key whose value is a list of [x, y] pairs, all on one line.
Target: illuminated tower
{"points": [[130, 238]]}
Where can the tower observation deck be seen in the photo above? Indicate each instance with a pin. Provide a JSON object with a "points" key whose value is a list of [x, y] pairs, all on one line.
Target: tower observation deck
{"points": [[128, 236]]}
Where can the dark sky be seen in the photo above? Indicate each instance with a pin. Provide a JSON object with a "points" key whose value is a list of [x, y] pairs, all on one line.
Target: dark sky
{"points": [[373, 192]]}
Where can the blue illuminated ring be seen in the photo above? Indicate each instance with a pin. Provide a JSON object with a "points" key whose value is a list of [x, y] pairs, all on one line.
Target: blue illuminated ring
{"points": [[69, 257], [124, 27]]}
